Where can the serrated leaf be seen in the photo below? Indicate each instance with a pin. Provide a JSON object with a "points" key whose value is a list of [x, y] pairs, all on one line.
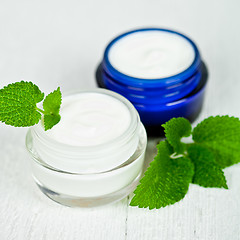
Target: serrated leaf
{"points": [[18, 104], [51, 106], [52, 102], [207, 172], [175, 129], [50, 121], [221, 134], [166, 181]]}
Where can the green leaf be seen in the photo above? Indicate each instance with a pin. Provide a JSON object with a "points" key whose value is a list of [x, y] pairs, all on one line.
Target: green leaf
{"points": [[207, 172], [221, 134], [18, 104], [166, 181], [52, 102], [175, 129], [51, 106]]}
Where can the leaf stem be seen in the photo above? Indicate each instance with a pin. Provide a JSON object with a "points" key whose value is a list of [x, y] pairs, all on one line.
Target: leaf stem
{"points": [[40, 110]]}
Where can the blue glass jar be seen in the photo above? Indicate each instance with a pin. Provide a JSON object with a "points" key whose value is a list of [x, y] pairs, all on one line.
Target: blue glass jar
{"points": [[160, 99]]}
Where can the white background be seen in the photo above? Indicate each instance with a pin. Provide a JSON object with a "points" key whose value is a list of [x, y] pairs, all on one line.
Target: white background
{"points": [[59, 43]]}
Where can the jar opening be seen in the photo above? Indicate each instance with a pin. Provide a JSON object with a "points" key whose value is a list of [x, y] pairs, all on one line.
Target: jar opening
{"points": [[190, 64], [69, 113], [151, 54]]}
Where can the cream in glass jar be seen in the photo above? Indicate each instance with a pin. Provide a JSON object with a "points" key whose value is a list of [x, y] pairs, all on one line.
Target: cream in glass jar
{"points": [[94, 155]]}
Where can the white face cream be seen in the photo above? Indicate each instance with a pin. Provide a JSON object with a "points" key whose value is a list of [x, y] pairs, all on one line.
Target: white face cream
{"points": [[90, 119], [151, 54], [96, 150]]}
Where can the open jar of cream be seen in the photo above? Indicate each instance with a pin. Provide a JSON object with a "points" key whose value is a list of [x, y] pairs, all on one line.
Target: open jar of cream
{"points": [[94, 155], [160, 71]]}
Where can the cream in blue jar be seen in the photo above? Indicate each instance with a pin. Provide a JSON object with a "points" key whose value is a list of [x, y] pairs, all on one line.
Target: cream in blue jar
{"points": [[160, 71]]}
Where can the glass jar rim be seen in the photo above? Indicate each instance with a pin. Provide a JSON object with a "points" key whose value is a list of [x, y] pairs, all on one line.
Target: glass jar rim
{"points": [[130, 131], [159, 82]]}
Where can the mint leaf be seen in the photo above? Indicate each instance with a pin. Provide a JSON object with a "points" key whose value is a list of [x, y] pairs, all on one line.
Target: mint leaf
{"points": [[207, 172], [166, 181], [217, 145], [52, 102], [18, 104], [221, 134], [175, 129], [51, 106]]}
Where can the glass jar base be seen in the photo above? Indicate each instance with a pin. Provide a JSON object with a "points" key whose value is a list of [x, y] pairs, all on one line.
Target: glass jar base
{"points": [[88, 202]]}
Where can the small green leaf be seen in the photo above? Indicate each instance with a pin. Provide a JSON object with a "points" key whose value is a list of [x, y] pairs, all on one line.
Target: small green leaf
{"points": [[52, 102], [18, 104], [207, 172], [221, 134], [51, 106], [166, 181], [175, 129]]}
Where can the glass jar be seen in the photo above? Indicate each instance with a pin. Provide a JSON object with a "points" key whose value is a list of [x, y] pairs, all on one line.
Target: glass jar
{"points": [[157, 100], [88, 176]]}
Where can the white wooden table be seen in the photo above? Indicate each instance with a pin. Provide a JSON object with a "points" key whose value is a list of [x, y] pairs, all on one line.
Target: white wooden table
{"points": [[59, 43]]}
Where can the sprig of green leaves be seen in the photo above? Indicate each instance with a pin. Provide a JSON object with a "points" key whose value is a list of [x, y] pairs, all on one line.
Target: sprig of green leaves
{"points": [[18, 105], [216, 145]]}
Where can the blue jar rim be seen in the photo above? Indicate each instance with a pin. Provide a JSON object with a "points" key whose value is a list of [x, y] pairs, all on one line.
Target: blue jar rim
{"points": [[158, 82]]}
